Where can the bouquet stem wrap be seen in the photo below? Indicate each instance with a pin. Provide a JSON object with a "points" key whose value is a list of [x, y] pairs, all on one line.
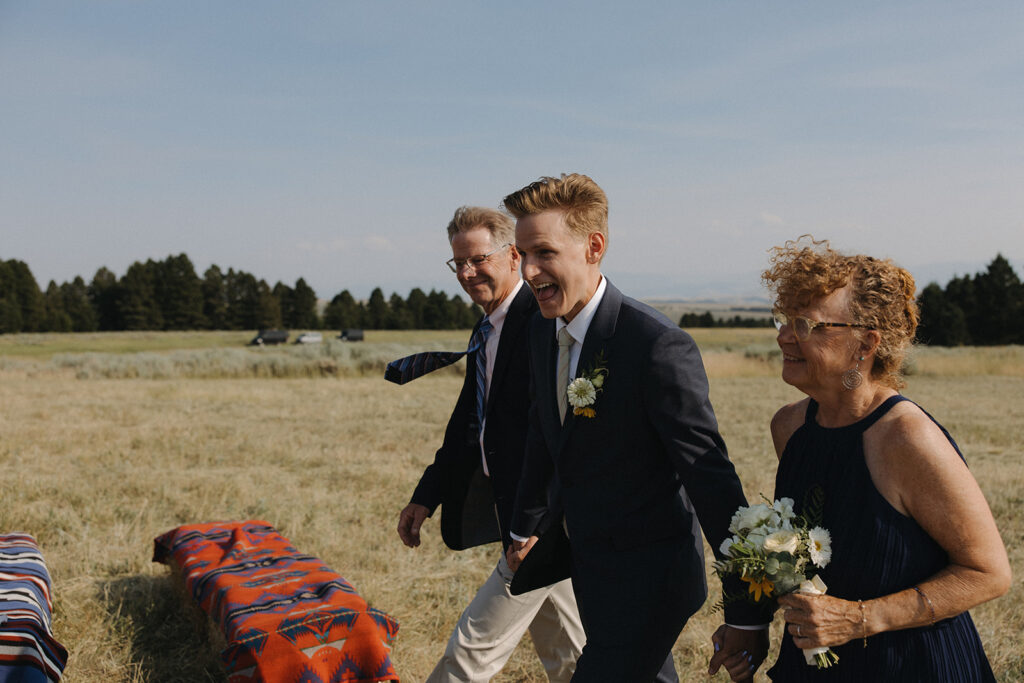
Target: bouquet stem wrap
{"points": [[822, 657]]}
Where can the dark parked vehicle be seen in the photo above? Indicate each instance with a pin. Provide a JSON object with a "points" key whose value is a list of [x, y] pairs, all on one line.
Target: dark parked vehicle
{"points": [[269, 338]]}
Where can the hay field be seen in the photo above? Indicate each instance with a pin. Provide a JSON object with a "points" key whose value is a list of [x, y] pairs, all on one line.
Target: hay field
{"points": [[96, 464]]}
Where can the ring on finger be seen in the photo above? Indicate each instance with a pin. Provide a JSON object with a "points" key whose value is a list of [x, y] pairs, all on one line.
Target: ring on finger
{"points": [[800, 635]]}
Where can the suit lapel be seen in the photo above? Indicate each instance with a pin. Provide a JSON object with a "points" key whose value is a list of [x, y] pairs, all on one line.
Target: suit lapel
{"points": [[602, 327], [516, 318]]}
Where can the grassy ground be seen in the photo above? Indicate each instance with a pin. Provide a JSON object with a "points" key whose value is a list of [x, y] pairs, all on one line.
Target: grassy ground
{"points": [[96, 468]]}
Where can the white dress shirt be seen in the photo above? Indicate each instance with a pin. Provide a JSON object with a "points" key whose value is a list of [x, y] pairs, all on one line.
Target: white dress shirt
{"points": [[579, 325]]}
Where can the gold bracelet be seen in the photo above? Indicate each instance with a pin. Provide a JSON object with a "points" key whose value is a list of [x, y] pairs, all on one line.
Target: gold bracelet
{"points": [[926, 599], [863, 622]]}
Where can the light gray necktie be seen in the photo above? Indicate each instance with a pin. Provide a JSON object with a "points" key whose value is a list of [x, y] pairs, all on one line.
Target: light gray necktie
{"points": [[565, 341]]}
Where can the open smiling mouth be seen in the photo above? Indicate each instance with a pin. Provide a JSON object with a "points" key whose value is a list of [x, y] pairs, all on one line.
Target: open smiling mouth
{"points": [[545, 291]]}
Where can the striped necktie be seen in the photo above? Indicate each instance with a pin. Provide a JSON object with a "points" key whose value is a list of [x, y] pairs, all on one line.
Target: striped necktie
{"points": [[418, 364], [481, 372]]}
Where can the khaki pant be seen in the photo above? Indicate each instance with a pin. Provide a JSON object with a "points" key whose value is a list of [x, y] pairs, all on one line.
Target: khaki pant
{"points": [[491, 627]]}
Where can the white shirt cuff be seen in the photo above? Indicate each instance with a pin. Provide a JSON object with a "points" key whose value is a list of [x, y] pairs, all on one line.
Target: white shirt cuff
{"points": [[749, 627]]}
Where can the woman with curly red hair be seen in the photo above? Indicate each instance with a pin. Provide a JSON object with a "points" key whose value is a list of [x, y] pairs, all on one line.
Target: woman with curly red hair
{"points": [[914, 545]]}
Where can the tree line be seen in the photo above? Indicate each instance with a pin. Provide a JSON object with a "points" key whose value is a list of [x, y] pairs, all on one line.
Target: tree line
{"points": [[707, 319], [170, 295], [986, 309]]}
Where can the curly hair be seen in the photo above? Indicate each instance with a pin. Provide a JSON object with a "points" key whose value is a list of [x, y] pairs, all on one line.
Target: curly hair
{"points": [[581, 199], [882, 295]]}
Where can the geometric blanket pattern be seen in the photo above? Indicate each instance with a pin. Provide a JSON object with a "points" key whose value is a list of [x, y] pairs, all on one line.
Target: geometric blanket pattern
{"points": [[286, 617], [28, 651]]}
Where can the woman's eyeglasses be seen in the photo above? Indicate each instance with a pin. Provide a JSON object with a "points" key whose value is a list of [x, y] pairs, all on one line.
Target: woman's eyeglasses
{"points": [[802, 327]]}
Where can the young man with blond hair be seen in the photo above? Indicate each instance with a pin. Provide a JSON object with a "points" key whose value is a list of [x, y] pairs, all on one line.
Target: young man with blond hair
{"points": [[633, 452]]}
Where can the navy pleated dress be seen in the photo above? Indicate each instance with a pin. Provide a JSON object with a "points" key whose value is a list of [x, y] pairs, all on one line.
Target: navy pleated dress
{"points": [[875, 551]]}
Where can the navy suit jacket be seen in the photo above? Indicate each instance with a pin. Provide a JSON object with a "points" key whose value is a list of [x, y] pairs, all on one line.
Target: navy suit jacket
{"points": [[455, 479], [636, 482]]}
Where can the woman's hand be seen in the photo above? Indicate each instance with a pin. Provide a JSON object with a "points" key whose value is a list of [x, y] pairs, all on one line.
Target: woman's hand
{"points": [[821, 620], [740, 651]]}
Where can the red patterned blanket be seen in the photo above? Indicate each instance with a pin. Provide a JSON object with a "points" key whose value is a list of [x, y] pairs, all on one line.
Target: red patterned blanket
{"points": [[287, 617]]}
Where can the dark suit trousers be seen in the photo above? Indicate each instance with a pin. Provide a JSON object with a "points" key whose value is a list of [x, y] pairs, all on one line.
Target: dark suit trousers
{"points": [[628, 639]]}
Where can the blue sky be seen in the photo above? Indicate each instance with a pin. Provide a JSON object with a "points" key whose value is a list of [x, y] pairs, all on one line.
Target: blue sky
{"points": [[333, 141]]}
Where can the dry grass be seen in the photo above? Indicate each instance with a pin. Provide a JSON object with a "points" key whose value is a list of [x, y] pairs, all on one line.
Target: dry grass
{"points": [[95, 469]]}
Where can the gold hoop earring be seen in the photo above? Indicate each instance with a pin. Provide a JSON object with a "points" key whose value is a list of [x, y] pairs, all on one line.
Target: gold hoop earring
{"points": [[852, 377]]}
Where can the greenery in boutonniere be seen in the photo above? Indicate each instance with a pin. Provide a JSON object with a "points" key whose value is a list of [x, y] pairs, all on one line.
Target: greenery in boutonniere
{"points": [[584, 389]]}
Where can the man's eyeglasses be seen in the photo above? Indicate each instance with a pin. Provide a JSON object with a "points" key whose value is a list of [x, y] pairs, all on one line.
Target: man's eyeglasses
{"points": [[802, 327], [474, 262]]}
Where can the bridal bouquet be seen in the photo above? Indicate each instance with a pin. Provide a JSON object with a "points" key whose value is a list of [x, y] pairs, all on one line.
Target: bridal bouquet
{"points": [[773, 550]]}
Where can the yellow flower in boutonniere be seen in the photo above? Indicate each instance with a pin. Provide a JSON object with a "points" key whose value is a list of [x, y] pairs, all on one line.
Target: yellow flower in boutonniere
{"points": [[583, 390]]}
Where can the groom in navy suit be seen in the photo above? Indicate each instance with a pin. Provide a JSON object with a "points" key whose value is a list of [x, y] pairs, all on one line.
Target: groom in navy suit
{"points": [[632, 446]]}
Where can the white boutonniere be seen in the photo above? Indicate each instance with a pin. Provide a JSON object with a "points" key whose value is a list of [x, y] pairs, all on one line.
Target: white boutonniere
{"points": [[583, 390]]}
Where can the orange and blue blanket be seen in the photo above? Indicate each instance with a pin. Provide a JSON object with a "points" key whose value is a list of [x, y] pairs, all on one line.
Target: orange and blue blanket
{"points": [[28, 651], [286, 616]]}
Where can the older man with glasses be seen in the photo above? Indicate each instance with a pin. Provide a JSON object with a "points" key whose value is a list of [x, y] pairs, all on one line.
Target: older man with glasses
{"points": [[475, 473]]}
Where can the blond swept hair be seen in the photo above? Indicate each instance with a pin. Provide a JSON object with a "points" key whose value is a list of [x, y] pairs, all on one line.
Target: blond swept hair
{"points": [[498, 223], [579, 198], [883, 295]]}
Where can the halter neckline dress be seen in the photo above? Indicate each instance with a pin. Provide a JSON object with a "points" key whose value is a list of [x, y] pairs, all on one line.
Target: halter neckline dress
{"points": [[876, 551]]}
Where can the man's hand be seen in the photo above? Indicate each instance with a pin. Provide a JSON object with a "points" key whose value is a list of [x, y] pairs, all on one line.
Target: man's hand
{"points": [[409, 522], [740, 651], [516, 552]]}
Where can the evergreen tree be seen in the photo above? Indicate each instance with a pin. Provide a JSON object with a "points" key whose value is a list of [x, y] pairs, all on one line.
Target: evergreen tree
{"points": [[286, 301], [78, 306], [269, 308], [215, 300], [137, 305], [400, 318], [377, 310], [304, 314], [342, 313], [463, 315], [178, 294], [104, 294], [55, 318], [414, 304], [435, 311], [942, 321], [960, 293], [25, 306], [998, 300], [10, 310], [243, 300]]}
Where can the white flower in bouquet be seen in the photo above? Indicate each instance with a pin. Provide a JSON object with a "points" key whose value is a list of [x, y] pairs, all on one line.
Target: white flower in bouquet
{"points": [[819, 545], [727, 544], [784, 506], [782, 541], [753, 516], [756, 537]]}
